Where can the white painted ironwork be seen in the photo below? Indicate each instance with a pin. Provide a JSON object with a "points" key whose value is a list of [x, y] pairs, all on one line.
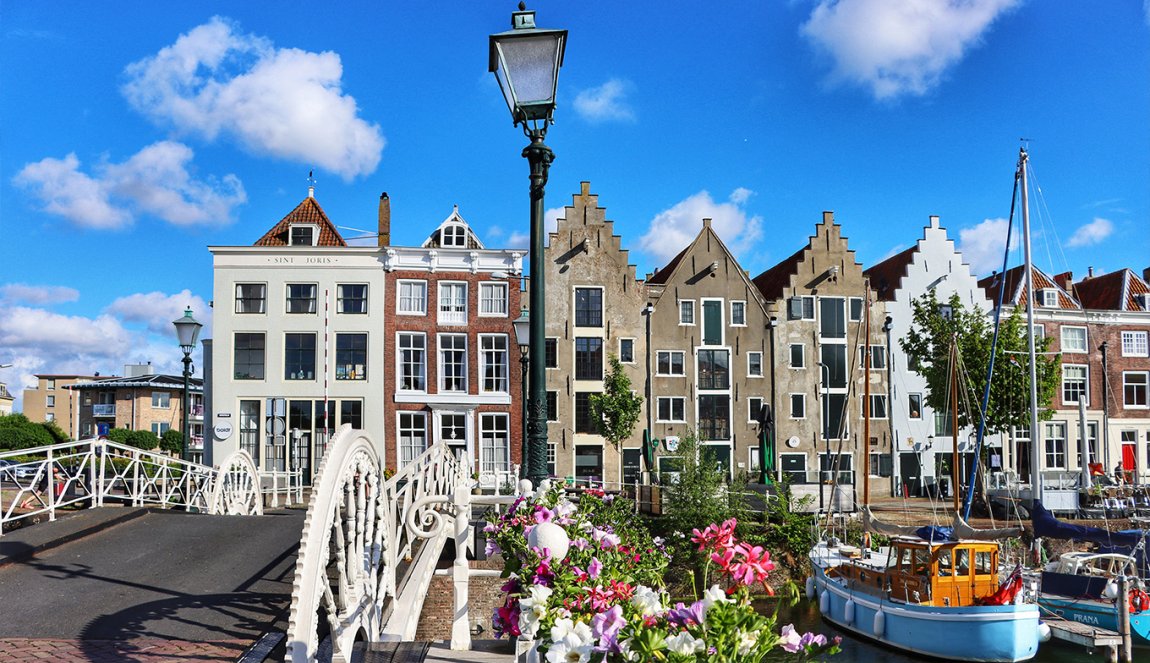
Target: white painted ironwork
{"points": [[92, 473], [362, 570]]}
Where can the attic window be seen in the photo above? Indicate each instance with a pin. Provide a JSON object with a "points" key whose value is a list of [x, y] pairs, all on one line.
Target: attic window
{"points": [[453, 235], [303, 235], [1144, 300], [1049, 297]]}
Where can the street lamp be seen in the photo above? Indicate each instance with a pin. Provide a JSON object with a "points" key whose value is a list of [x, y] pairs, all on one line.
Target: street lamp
{"points": [[187, 331], [526, 62], [522, 326]]}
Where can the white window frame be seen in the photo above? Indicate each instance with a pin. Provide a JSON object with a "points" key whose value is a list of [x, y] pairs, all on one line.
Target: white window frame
{"points": [[878, 398], [1074, 348], [485, 298], [877, 357], [263, 299], [1054, 445], [1049, 297], [492, 443], [486, 354], [451, 316], [791, 405], [670, 363], [671, 400], [162, 400], [406, 452], [1085, 379], [575, 306], [1145, 383], [314, 298], [339, 298], [441, 364], [921, 403], [690, 308], [742, 303], [1134, 343], [455, 231], [761, 369], [399, 363], [804, 300], [160, 427], [410, 298], [790, 355], [632, 360], [309, 226], [752, 411], [851, 317]]}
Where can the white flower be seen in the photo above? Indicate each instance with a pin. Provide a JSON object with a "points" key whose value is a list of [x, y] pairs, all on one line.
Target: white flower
{"points": [[565, 629], [528, 625], [648, 601], [684, 644], [539, 593], [533, 608], [569, 651], [747, 641], [712, 596]]}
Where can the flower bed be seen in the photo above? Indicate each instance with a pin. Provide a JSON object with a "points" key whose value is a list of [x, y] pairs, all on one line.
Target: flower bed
{"points": [[586, 583]]}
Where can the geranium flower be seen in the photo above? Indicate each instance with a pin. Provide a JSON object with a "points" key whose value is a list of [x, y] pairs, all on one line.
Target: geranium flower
{"points": [[753, 566]]}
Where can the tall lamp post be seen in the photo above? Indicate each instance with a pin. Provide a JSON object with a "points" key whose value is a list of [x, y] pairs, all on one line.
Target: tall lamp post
{"points": [[187, 331], [526, 62], [522, 326]]}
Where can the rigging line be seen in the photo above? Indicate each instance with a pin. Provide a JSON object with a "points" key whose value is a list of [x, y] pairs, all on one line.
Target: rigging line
{"points": [[1048, 222]]}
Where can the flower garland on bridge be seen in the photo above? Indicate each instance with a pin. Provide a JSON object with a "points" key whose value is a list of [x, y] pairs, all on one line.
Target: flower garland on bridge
{"points": [[599, 595]]}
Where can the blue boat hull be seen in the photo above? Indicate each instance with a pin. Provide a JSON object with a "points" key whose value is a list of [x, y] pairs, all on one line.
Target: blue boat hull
{"points": [[975, 633], [1099, 614]]}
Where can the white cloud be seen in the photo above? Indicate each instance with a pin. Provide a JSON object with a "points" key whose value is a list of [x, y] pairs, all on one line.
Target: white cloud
{"points": [[40, 295], [673, 229], [283, 102], [157, 310], [898, 47], [1091, 233], [606, 103], [155, 181], [982, 246]]}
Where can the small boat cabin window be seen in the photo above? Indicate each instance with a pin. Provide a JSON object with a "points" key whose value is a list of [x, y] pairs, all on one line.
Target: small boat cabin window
{"points": [[944, 565], [982, 563]]}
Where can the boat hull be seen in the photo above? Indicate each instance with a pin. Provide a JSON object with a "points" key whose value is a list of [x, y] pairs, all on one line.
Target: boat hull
{"points": [[975, 633], [1101, 614]]}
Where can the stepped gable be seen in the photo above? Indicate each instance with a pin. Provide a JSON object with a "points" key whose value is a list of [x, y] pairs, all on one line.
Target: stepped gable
{"points": [[1015, 284], [886, 276], [1116, 291], [585, 220], [773, 282], [307, 211]]}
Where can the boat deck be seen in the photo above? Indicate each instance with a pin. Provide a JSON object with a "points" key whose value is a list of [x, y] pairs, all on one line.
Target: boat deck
{"points": [[1082, 634]]}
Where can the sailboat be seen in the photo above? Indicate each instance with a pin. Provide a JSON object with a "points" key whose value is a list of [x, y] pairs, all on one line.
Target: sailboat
{"points": [[926, 584]]}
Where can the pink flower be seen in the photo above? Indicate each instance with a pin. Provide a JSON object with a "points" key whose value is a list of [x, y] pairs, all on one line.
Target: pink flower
{"points": [[543, 515], [594, 568], [753, 565]]}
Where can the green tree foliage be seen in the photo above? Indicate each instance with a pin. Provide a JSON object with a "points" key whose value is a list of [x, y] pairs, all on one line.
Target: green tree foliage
{"points": [[928, 346], [172, 441], [55, 431], [141, 439], [17, 432], [617, 409]]}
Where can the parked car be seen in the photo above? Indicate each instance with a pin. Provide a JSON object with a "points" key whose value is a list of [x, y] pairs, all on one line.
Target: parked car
{"points": [[6, 470]]}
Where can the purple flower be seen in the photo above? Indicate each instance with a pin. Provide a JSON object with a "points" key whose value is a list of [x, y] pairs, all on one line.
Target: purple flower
{"points": [[684, 616], [605, 626], [490, 527], [594, 568], [511, 586], [543, 515], [580, 543], [491, 548]]}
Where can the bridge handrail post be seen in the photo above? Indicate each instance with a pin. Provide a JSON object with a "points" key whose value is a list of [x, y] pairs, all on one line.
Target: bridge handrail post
{"points": [[461, 571], [103, 485], [50, 481], [136, 501]]}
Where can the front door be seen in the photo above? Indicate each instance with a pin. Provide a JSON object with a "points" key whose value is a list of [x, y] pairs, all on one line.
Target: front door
{"points": [[588, 464], [910, 469], [1129, 457]]}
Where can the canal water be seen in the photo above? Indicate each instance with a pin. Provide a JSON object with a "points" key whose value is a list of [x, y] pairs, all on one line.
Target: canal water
{"points": [[805, 616]]}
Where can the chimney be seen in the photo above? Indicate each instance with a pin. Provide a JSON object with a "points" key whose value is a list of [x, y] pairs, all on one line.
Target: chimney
{"points": [[1146, 274], [706, 223], [1090, 272], [384, 237], [1064, 280]]}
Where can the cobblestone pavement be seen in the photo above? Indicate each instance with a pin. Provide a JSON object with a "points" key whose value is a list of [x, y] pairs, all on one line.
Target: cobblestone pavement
{"points": [[136, 650]]}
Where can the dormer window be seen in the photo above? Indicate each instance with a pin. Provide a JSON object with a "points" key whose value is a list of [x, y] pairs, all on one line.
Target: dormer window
{"points": [[453, 235], [1048, 297], [303, 235], [1144, 300]]}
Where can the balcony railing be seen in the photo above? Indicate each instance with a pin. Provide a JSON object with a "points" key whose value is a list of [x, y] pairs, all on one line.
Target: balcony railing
{"points": [[104, 410]]}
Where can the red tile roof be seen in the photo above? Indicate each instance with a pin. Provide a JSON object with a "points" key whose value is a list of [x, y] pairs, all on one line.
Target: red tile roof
{"points": [[773, 282], [1015, 295], [1115, 291], [307, 211], [662, 275], [886, 276]]}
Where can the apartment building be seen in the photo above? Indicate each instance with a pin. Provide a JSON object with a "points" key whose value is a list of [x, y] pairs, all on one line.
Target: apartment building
{"points": [[52, 400]]}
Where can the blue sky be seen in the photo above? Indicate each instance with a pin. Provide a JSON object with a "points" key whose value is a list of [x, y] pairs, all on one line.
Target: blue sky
{"points": [[138, 133]]}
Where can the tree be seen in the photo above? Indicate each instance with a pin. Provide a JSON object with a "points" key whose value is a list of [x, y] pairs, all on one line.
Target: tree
{"points": [[172, 441], [141, 439], [18, 432], [616, 410], [928, 346]]}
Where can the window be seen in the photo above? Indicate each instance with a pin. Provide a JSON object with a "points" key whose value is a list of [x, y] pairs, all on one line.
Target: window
{"points": [[303, 235], [754, 364], [301, 298], [1039, 332], [945, 311], [584, 421], [50, 401], [550, 459], [832, 317], [877, 357], [798, 355], [493, 370], [944, 424], [856, 304], [798, 406], [412, 298], [1091, 442], [914, 406], [714, 417], [453, 235], [588, 359], [669, 362], [1049, 297], [351, 412], [494, 444], [452, 303], [588, 307], [671, 409], [452, 362], [687, 312], [412, 362], [249, 356], [50, 384], [712, 322], [1074, 388], [1055, 445], [878, 406], [794, 467], [159, 428], [834, 417], [249, 428], [412, 436], [493, 299], [551, 352], [453, 428], [1134, 344], [1074, 339], [161, 399], [1134, 385], [754, 408], [627, 350], [351, 298], [739, 314], [714, 372], [251, 297], [801, 308], [299, 356], [552, 406], [351, 356]]}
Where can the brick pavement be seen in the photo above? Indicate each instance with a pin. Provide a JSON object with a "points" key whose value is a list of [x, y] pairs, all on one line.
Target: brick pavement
{"points": [[135, 650]]}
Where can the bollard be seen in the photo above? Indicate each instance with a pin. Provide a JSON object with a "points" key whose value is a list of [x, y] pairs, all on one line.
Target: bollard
{"points": [[1124, 616]]}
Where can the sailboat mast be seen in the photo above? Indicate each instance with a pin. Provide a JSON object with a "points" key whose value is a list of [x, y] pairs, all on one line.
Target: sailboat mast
{"points": [[954, 420], [1035, 435], [866, 402]]}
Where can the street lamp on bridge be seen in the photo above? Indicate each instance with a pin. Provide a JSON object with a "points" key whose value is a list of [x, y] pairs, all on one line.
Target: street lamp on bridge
{"points": [[187, 331], [526, 62]]}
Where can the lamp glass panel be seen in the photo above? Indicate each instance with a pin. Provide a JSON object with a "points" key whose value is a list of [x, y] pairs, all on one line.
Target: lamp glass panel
{"points": [[531, 64]]}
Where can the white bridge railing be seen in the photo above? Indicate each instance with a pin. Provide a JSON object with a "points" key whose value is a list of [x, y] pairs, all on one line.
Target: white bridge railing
{"points": [[95, 472]]}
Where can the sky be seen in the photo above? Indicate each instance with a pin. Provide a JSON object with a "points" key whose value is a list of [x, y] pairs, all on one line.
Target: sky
{"points": [[137, 133]]}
